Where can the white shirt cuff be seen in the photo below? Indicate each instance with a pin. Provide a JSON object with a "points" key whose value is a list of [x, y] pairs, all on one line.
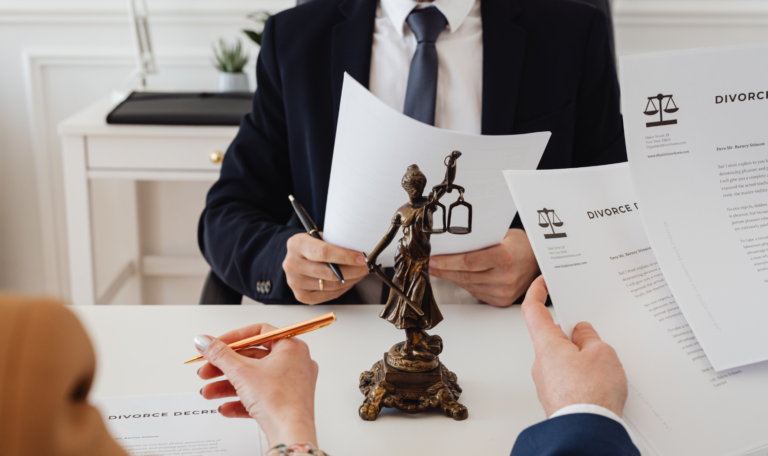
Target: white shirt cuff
{"points": [[587, 408]]}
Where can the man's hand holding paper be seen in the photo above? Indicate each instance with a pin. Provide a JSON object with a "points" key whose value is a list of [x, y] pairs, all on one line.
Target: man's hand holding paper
{"points": [[585, 371], [497, 275]]}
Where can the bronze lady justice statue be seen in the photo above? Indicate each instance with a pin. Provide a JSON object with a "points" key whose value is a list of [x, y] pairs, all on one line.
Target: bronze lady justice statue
{"points": [[411, 377]]}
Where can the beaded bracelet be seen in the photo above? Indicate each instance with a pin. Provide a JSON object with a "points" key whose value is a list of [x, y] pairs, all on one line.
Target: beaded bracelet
{"points": [[297, 449]]}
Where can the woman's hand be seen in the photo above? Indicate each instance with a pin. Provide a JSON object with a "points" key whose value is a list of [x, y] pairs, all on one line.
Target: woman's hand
{"points": [[306, 263], [275, 384]]}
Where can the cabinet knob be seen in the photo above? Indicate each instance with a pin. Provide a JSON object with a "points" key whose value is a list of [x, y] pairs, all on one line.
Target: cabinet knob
{"points": [[217, 157]]}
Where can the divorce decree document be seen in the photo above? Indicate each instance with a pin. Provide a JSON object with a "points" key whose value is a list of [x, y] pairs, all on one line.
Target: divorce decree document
{"points": [[175, 425], [586, 230], [695, 124]]}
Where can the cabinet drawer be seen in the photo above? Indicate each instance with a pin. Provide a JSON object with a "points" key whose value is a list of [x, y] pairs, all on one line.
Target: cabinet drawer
{"points": [[154, 153]]}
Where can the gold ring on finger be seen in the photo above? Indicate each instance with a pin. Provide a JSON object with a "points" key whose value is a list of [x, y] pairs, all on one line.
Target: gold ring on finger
{"points": [[320, 281]]}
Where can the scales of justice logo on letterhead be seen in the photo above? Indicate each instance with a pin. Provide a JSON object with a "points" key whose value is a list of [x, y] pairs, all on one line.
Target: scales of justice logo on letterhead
{"points": [[545, 221], [669, 107]]}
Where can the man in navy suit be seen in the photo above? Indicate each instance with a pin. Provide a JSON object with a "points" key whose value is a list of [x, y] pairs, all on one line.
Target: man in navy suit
{"points": [[491, 67], [581, 385]]}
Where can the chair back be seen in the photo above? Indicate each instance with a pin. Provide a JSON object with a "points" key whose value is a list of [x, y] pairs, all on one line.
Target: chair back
{"points": [[215, 291]]}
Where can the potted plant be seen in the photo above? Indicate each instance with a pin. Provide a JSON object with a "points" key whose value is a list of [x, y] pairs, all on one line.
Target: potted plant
{"points": [[259, 17], [230, 61]]}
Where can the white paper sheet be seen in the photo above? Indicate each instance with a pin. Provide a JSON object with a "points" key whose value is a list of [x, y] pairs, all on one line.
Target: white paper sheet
{"points": [[701, 176], [603, 271], [374, 147], [177, 424]]}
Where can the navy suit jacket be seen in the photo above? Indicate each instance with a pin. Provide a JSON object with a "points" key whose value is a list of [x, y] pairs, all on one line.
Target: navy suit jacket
{"points": [[547, 66], [580, 434]]}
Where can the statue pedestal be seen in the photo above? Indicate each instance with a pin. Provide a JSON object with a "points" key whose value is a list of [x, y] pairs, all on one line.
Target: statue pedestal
{"points": [[411, 392]]}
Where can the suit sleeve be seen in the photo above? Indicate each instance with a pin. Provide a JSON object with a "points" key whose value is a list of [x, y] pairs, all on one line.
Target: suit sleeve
{"points": [[244, 228], [581, 434], [599, 130]]}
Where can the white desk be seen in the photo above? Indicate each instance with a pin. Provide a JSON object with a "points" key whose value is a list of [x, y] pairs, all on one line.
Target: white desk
{"points": [[141, 349], [93, 149]]}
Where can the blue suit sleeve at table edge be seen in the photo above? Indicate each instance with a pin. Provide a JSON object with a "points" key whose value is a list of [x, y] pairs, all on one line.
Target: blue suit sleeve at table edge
{"points": [[579, 434]]}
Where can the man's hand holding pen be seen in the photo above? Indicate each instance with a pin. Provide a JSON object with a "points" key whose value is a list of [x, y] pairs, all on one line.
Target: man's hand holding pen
{"points": [[318, 272], [306, 263]]}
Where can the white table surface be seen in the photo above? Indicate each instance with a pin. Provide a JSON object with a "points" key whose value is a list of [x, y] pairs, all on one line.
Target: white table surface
{"points": [[141, 349]]}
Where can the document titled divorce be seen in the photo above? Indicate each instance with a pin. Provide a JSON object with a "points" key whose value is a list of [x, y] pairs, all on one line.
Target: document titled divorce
{"points": [[176, 425], [695, 124], [586, 230]]}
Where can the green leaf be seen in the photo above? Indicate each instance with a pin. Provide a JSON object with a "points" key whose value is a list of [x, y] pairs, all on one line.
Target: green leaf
{"points": [[254, 36]]}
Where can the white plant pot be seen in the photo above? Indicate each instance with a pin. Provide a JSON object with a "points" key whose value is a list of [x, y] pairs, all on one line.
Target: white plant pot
{"points": [[233, 82]]}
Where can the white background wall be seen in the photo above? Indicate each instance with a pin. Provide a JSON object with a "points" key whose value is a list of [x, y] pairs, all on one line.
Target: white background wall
{"points": [[58, 56]]}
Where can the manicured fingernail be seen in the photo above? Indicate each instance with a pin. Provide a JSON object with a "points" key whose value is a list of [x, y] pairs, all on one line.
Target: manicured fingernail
{"points": [[198, 371], [360, 260], [202, 342], [433, 263], [201, 391], [219, 409]]}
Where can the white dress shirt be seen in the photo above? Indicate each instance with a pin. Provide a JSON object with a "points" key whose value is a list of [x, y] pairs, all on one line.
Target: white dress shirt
{"points": [[459, 52]]}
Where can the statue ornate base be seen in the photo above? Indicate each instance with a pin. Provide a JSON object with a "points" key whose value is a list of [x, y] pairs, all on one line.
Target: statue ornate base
{"points": [[411, 392]]}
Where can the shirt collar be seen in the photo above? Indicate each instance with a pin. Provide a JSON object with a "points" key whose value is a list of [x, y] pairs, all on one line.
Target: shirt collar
{"points": [[455, 11]]}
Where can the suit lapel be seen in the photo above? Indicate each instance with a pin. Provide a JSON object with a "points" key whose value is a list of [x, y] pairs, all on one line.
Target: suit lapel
{"points": [[351, 45], [503, 58]]}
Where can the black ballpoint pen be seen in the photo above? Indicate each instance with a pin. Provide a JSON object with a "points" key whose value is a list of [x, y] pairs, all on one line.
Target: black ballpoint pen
{"points": [[311, 228]]}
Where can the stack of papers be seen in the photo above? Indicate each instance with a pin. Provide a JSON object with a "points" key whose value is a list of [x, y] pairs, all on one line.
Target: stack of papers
{"points": [[667, 256], [605, 271]]}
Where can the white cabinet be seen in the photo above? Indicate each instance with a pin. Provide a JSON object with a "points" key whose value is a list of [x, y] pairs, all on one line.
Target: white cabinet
{"points": [[119, 156]]}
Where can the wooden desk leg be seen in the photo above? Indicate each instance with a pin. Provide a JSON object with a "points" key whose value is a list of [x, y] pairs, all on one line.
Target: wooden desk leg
{"points": [[78, 210]]}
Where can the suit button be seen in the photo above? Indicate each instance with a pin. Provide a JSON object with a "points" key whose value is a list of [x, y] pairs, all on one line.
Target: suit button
{"points": [[260, 287], [267, 286]]}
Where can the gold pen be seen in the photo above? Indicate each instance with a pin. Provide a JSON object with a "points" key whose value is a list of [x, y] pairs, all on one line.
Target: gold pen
{"points": [[283, 333]]}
